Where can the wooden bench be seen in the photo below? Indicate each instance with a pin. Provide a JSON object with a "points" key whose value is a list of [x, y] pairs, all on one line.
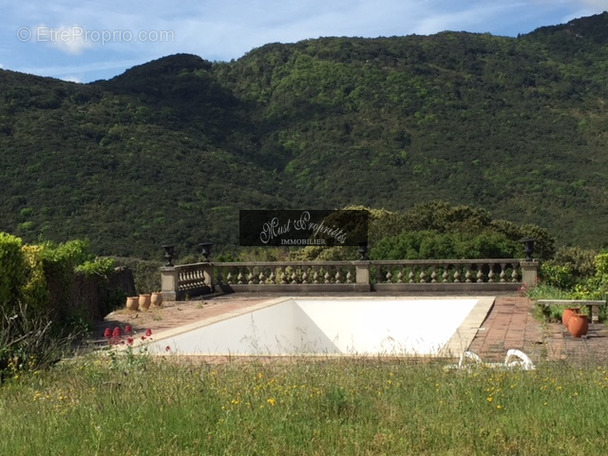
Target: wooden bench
{"points": [[593, 306]]}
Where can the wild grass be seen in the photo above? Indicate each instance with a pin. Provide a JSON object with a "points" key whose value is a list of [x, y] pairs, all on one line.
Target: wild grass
{"points": [[140, 405]]}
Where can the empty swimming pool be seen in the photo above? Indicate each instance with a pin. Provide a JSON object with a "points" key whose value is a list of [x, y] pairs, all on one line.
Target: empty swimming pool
{"points": [[334, 326]]}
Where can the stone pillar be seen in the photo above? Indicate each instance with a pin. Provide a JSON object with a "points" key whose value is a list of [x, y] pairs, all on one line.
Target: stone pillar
{"points": [[362, 273], [169, 282], [208, 276], [529, 273]]}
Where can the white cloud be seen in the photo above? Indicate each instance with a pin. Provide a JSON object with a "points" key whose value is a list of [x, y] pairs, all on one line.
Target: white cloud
{"points": [[69, 39]]}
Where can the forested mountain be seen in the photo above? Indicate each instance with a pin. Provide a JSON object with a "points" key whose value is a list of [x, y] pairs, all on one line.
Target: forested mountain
{"points": [[169, 151]]}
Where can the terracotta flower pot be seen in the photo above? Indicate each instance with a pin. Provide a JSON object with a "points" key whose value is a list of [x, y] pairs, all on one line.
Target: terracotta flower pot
{"points": [[578, 325], [144, 301], [132, 303], [156, 299], [566, 315]]}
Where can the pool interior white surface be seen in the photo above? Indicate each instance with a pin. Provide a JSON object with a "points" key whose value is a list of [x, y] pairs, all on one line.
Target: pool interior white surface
{"points": [[334, 326]]}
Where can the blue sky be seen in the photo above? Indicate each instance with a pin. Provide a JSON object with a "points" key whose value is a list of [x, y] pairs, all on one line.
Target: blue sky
{"points": [[98, 39]]}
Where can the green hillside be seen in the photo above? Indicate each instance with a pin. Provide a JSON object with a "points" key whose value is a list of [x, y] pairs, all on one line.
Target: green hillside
{"points": [[170, 150]]}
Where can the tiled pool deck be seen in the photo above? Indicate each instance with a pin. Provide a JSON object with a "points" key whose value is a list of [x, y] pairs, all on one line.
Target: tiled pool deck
{"points": [[509, 324]]}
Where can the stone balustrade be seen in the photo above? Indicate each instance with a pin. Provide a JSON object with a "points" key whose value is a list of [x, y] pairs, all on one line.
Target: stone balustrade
{"points": [[394, 276], [295, 276], [487, 275]]}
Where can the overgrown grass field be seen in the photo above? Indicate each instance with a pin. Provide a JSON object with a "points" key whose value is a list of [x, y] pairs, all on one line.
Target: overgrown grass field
{"points": [[139, 405]]}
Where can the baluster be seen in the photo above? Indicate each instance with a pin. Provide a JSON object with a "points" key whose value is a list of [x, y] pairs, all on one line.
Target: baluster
{"points": [[349, 277], [389, 276], [503, 274], [411, 276], [272, 278], [434, 275], [491, 273], [468, 275], [400, 276], [327, 277], [422, 276], [338, 277], [456, 275], [304, 274], [479, 273], [250, 278], [315, 276], [445, 276], [190, 277], [514, 274], [240, 278]]}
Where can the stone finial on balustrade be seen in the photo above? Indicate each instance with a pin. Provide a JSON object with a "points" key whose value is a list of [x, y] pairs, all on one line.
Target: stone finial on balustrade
{"points": [[169, 254]]}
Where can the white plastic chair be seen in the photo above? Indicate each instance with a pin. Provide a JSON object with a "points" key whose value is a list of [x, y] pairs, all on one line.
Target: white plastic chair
{"points": [[515, 359]]}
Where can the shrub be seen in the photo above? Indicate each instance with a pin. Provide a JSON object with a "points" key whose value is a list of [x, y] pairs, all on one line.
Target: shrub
{"points": [[38, 303], [30, 340], [556, 275], [35, 290], [100, 267], [569, 267], [14, 269]]}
